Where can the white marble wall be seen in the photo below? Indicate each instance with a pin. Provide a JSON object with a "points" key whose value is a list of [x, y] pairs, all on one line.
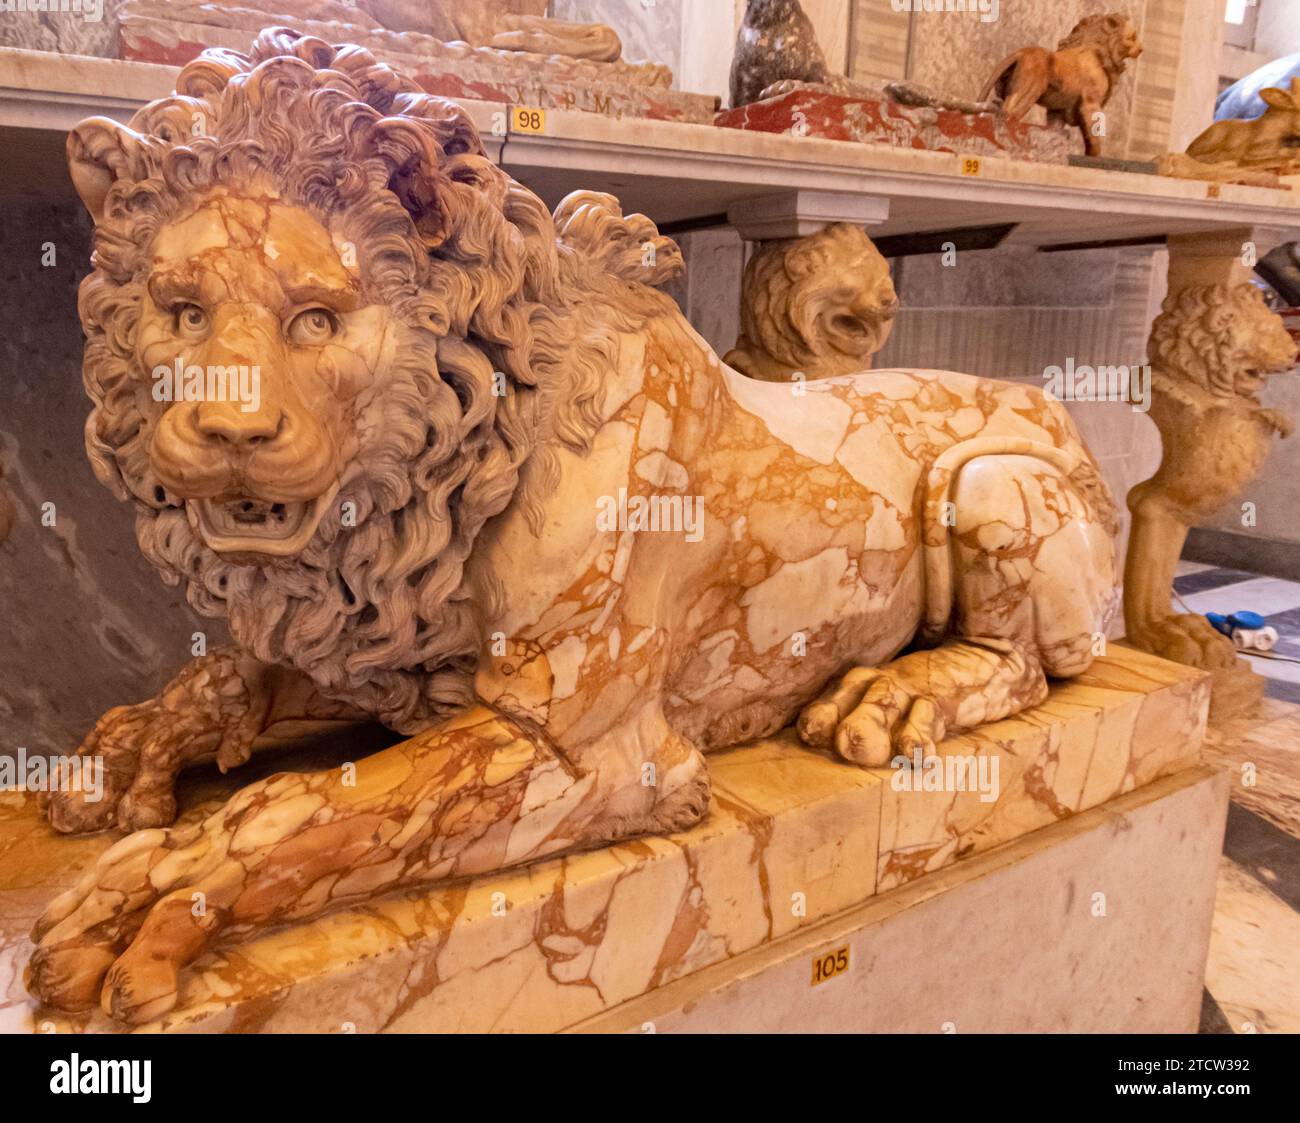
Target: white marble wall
{"points": [[1278, 30]]}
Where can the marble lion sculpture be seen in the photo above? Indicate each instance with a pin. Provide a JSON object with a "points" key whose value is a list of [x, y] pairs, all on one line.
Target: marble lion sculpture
{"points": [[819, 306], [1074, 83], [413, 525]]}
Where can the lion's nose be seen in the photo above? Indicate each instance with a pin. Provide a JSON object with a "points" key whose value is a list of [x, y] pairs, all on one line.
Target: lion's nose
{"points": [[225, 421]]}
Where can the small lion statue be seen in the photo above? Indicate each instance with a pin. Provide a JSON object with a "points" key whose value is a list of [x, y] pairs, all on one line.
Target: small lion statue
{"points": [[1076, 82], [406, 517], [1210, 349], [814, 307]]}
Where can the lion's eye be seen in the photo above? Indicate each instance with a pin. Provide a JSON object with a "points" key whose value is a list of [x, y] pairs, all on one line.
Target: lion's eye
{"points": [[314, 326], [191, 320]]}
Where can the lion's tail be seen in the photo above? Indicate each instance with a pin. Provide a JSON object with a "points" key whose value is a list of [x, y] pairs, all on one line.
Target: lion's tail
{"points": [[631, 248], [935, 525], [1027, 74]]}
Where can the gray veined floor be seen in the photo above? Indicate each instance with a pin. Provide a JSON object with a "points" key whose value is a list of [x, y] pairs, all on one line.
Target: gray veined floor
{"points": [[1252, 982]]}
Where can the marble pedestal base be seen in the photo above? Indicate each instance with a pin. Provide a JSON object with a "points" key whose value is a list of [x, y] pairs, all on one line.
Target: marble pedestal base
{"points": [[793, 839], [1100, 924]]}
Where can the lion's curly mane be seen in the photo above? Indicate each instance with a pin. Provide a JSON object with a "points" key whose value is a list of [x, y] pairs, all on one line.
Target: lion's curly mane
{"points": [[469, 263], [1198, 335], [1100, 33]]}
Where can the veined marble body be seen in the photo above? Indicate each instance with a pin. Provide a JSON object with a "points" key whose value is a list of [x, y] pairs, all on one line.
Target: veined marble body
{"points": [[808, 533]]}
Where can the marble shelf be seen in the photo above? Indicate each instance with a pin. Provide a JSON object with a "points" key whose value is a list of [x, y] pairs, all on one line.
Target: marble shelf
{"points": [[687, 173]]}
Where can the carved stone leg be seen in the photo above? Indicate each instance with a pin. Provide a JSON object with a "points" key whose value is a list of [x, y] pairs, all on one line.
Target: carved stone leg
{"points": [[1155, 545], [476, 795], [216, 706]]}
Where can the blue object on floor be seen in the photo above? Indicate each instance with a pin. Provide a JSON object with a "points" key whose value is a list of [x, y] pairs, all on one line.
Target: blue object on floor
{"points": [[1248, 621], [1248, 631]]}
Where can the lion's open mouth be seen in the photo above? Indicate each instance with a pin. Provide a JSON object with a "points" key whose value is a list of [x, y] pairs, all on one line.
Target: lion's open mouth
{"points": [[248, 525]]}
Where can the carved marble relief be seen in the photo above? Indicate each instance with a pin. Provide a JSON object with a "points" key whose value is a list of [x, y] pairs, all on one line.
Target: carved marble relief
{"points": [[502, 50]]}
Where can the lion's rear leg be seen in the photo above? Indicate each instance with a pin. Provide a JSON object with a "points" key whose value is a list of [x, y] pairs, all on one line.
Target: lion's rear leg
{"points": [[1033, 584], [1031, 562]]}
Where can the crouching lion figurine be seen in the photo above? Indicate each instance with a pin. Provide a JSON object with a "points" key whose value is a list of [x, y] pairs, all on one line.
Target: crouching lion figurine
{"points": [[495, 493]]}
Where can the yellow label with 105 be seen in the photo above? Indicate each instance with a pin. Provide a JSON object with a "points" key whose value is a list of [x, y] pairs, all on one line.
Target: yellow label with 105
{"points": [[829, 964]]}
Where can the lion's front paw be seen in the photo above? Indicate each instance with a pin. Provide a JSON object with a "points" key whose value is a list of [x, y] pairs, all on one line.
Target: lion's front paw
{"points": [[1280, 423], [872, 715], [139, 750], [119, 938], [1189, 639]]}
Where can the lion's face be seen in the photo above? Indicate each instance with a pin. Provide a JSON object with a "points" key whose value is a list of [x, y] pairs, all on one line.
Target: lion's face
{"points": [[853, 301], [1221, 338], [823, 304], [1114, 35], [364, 311], [1260, 342], [253, 296], [1129, 45]]}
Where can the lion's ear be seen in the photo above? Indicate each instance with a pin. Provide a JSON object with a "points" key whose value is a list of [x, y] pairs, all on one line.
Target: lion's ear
{"points": [[1278, 99], [100, 152]]}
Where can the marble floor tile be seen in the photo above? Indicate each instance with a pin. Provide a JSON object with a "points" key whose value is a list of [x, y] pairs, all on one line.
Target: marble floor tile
{"points": [[1262, 753], [1264, 595], [1253, 973]]}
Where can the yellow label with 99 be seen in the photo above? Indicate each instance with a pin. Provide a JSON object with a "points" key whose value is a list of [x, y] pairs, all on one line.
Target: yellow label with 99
{"points": [[970, 165]]}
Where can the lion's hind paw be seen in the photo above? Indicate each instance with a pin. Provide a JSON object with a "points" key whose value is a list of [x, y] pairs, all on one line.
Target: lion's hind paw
{"points": [[872, 715]]}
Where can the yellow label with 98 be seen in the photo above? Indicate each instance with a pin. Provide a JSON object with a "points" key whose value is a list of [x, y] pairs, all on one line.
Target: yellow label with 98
{"points": [[527, 119], [829, 964]]}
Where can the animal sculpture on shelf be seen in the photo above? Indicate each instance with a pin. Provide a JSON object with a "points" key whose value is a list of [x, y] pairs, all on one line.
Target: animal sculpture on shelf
{"points": [[494, 492], [776, 43], [1267, 143], [814, 307], [1210, 348], [1076, 82]]}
